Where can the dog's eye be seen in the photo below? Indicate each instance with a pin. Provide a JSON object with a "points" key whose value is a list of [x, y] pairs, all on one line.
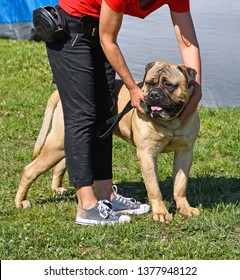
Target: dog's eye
{"points": [[168, 85], [150, 83]]}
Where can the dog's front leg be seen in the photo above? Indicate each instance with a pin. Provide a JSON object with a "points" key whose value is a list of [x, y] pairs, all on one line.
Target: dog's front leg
{"points": [[149, 172], [181, 168]]}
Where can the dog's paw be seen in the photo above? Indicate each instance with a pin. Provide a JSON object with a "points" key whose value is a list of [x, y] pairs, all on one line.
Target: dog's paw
{"points": [[164, 217], [23, 204], [189, 211], [60, 191]]}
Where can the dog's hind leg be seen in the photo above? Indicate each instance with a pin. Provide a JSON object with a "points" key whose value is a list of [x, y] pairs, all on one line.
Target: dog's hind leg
{"points": [[51, 154], [58, 173]]}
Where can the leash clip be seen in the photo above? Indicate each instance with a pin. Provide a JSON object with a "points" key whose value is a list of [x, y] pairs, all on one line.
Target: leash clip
{"points": [[94, 31]]}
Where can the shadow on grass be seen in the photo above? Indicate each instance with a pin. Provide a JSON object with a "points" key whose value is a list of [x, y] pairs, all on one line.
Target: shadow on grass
{"points": [[206, 191], [69, 195]]}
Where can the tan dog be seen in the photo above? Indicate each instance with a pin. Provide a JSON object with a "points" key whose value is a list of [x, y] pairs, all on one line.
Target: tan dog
{"points": [[167, 89]]}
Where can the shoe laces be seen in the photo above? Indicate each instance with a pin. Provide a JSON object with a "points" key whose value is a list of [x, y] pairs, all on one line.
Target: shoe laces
{"points": [[104, 209], [125, 200]]}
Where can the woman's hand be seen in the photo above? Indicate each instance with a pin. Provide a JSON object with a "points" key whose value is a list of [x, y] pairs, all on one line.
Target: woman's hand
{"points": [[137, 96], [192, 104]]}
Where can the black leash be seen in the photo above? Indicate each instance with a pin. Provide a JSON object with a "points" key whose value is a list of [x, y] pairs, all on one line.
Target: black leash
{"points": [[107, 127]]}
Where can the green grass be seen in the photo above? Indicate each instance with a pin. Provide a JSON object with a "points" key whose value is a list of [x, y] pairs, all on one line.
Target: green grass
{"points": [[48, 230]]}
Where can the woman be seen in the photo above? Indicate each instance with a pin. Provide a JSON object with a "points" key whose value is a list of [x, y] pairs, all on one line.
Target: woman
{"points": [[84, 65]]}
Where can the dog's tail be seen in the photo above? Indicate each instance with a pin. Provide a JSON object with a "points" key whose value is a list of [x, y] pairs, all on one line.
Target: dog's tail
{"points": [[48, 115]]}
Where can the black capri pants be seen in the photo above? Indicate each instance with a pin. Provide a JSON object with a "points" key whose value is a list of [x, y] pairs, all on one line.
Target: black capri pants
{"points": [[85, 81]]}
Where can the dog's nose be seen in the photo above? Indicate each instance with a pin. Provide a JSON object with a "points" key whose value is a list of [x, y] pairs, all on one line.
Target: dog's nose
{"points": [[154, 95]]}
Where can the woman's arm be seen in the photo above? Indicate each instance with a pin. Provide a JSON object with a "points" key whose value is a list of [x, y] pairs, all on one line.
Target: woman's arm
{"points": [[188, 45], [110, 24]]}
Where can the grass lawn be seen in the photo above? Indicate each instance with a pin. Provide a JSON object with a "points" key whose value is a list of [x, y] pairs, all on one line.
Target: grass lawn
{"points": [[48, 230]]}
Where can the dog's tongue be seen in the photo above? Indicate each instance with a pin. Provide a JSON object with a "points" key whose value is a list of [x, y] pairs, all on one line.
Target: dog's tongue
{"points": [[156, 108]]}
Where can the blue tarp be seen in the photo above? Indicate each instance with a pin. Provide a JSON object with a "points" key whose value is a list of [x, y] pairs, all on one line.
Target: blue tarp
{"points": [[16, 17]]}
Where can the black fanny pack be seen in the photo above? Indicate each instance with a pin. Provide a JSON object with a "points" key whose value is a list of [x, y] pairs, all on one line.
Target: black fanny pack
{"points": [[49, 24]]}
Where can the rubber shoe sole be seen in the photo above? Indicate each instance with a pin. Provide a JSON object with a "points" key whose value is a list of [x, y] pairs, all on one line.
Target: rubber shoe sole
{"points": [[89, 222], [143, 209]]}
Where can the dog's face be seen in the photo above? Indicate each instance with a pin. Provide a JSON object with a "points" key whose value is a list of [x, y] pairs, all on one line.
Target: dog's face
{"points": [[167, 89]]}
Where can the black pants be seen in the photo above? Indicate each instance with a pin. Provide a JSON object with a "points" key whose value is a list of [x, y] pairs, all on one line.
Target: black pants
{"points": [[85, 81]]}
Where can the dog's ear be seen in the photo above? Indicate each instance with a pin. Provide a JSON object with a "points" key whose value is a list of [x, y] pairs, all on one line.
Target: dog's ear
{"points": [[189, 73], [147, 68]]}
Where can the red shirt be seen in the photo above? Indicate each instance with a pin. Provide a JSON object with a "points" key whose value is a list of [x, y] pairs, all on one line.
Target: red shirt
{"points": [[130, 7]]}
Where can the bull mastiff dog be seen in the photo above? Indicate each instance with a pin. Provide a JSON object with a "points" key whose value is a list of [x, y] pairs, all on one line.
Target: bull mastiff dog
{"points": [[167, 88]]}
